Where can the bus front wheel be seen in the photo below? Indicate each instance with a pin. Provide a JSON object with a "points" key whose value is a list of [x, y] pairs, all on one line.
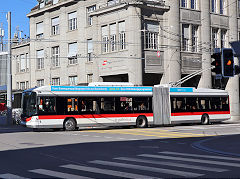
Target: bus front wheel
{"points": [[69, 124], [141, 122], [205, 119]]}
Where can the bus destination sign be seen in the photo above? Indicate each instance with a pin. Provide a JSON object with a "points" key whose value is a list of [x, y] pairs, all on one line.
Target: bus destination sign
{"points": [[102, 88], [181, 90]]}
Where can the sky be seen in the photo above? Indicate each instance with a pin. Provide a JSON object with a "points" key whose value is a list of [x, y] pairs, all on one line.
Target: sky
{"points": [[19, 10]]}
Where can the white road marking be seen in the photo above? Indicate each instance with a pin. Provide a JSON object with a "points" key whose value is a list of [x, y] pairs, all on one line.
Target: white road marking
{"points": [[202, 156], [146, 168], [173, 164], [10, 176], [57, 174], [191, 160], [106, 171]]}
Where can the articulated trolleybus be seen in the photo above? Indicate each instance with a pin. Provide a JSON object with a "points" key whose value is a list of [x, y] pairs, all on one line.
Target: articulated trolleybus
{"points": [[70, 107]]}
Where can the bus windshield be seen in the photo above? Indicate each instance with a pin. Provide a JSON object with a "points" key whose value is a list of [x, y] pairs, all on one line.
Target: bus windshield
{"points": [[29, 104]]}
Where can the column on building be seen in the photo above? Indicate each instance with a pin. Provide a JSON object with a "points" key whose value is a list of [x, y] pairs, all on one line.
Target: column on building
{"points": [[172, 59], [233, 83], [206, 80], [135, 73]]}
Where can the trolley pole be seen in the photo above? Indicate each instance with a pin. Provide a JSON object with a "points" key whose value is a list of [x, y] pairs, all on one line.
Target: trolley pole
{"points": [[9, 73]]}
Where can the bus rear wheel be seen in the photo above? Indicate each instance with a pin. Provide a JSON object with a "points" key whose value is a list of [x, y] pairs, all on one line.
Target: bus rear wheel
{"points": [[141, 122], [69, 124], [205, 119]]}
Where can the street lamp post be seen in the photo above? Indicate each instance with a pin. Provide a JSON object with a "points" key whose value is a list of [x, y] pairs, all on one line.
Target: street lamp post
{"points": [[9, 73]]}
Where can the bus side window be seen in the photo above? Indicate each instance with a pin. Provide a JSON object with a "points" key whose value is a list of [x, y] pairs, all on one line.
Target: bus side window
{"points": [[108, 105], [46, 105], [224, 104], [202, 104], [173, 105]]}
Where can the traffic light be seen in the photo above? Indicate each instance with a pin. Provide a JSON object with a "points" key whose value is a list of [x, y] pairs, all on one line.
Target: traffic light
{"points": [[217, 63], [227, 62]]}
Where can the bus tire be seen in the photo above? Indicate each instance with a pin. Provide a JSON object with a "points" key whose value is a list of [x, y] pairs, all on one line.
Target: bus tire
{"points": [[141, 122], [205, 119], [69, 124]]}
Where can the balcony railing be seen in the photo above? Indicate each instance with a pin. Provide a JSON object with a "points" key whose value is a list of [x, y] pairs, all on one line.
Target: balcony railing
{"points": [[117, 2]]}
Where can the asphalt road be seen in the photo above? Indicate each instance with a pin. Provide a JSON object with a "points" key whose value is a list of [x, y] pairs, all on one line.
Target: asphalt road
{"points": [[191, 151]]}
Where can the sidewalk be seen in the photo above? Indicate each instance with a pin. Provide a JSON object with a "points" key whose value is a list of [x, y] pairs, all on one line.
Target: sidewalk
{"points": [[231, 121], [13, 128]]}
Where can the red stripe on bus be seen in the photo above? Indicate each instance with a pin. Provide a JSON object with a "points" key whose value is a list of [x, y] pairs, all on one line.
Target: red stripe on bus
{"points": [[28, 119], [94, 116], [199, 113]]}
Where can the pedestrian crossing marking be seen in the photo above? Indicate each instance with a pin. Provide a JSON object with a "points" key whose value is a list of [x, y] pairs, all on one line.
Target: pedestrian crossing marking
{"points": [[148, 132], [202, 156], [147, 168], [192, 163], [174, 164], [106, 171], [57, 174], [190, 160], [11, 176]]}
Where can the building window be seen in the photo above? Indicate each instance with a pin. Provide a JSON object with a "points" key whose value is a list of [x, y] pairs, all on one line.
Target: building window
{"points": [[18, 86], [194, 38], [151, 35], [55, 1], [39, 30], [22, 85], [223, 38], [184, 3], [72, 53], [40, 82], [72, 21], [214, 6], [185, 37], [89, 49], [23, 63], [55, 56], [18, 64], [89, 78], [215, 38], [27, 84], [27, 62], [105, 39], [193, 4], [112, 2], [89, 18], [40, 59], [56, 81], [55, 26], [151, 40], [113, 36], [122, 35], [73, 80]]}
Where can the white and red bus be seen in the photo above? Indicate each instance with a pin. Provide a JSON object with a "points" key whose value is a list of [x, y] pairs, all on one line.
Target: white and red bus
{"points": [[70, 107], [189, 105]]}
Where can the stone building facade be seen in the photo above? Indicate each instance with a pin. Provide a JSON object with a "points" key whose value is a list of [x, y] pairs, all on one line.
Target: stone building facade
{"points": [[145, 42]]}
